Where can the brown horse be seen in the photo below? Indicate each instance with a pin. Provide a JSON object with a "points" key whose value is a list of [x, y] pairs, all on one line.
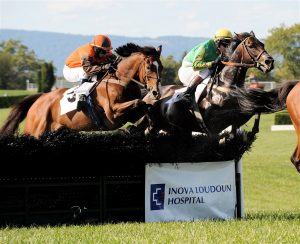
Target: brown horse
{"points": [[114, 97], [219, 107], [293, 107]]}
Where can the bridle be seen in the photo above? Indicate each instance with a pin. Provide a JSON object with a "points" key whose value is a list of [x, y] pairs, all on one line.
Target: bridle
{"points": [[145, 78], [254, 63], [147, 71]]}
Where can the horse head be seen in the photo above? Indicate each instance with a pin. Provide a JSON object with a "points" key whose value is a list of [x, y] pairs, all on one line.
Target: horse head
{"points": [[254, 52], [245, 51], [141, 65]]}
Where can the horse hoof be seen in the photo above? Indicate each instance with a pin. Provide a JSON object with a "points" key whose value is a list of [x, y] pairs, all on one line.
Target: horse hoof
{"points": [[222, 141]]}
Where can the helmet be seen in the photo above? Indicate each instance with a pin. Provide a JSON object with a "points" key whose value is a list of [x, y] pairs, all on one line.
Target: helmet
{"points": [[222, 34], [102, 41]]}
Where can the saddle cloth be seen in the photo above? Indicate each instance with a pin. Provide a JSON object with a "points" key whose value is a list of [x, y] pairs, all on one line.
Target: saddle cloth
{"points": [[70, 97]]}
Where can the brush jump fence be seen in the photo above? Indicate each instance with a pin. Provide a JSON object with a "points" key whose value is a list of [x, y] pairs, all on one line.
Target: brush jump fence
{"points": [[67, 177]]}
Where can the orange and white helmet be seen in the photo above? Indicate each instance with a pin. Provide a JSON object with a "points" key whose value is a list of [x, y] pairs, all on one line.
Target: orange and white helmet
{"points": [[102, 41]]}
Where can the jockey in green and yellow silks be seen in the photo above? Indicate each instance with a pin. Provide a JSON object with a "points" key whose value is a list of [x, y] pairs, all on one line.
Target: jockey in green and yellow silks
{"points": [[199, 62]]}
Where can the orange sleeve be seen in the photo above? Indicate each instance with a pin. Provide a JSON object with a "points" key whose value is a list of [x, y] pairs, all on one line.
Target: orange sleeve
{"points": [[76, 57]]}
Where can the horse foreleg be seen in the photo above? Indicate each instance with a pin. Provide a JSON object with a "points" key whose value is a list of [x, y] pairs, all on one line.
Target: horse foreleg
{"points": [[120, 108], [255, 128], [295, 158]]}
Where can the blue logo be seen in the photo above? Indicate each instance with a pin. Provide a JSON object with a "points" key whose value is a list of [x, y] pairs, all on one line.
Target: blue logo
{"points": [[157, 196]]}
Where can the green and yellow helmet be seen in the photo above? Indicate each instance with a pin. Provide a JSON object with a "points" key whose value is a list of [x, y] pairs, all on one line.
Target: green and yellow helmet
{"points": [[222, 34]]}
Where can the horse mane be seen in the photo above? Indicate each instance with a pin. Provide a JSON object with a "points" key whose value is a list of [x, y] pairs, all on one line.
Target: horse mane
{"points": [[236, 40], [130, 48]]}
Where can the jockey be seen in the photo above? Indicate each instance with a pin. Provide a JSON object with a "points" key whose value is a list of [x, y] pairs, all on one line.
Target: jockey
{"points": [[200, 62], [89, 62]]}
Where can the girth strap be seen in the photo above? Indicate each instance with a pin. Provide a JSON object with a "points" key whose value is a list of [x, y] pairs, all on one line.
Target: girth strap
{"points": [[93, 113]]}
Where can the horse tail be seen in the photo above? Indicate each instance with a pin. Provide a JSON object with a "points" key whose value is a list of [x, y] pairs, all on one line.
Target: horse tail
{"points": [[18, 114], [251, 101], [284, 90]]}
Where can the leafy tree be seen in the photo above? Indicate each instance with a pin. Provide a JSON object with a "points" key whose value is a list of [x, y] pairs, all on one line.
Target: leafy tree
{"points": [[284, 45], [18, 64], [260, 75], [169, 74], [6, 69], [46, 78]]}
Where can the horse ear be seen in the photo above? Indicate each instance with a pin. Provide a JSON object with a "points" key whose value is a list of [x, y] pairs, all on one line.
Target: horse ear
{"points": [[252, 33], [158, 49], [239, 37]]}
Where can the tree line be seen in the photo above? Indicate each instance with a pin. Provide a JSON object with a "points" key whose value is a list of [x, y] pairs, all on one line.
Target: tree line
{"points": [[18, 63]]}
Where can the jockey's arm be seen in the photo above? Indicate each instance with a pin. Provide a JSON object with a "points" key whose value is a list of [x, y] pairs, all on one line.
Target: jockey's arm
{"points": [[205, 58], [199, 62], [91, 68]]}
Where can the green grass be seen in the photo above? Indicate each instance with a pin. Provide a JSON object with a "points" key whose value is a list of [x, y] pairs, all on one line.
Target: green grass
{"points": [[15, 92], [3, 115], [267, 228], [271, 199], [271, 181]]}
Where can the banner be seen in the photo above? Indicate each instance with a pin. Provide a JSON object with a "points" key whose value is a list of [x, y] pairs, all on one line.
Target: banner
{"points": [[190, 191]]}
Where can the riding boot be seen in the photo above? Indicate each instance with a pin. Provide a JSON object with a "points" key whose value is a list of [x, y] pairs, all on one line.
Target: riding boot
{"points": [[194, 83], [82, 98], [186, 98]]}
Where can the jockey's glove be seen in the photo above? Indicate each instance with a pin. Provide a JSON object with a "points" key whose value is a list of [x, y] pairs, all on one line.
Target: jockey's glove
{"points": [[215, 63], [112, 68]]}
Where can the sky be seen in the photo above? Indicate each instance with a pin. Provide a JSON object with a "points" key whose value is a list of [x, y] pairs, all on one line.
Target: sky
{"points": [[149, 18]]}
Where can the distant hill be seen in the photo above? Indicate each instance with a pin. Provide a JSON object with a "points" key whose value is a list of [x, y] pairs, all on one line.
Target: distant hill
{"points": [[56, 47]]}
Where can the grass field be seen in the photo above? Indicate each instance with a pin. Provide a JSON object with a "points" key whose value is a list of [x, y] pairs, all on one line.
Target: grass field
{"points": [[15, 92], [271, 198]]}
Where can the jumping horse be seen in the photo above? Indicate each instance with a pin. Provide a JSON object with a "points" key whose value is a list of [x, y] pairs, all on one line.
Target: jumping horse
{"points": [[225, 100], [114, 98]]}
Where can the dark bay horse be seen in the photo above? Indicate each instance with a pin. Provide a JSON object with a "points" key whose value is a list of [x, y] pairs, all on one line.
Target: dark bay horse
{"points": [[223, 97], [114, 97]]}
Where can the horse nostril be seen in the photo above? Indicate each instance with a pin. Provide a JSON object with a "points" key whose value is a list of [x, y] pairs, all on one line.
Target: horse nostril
{"points": [[268, 61], [154, 93]]}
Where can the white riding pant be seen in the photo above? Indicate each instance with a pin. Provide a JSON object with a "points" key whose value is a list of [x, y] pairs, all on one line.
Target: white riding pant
{"points": [[76, 74], [186, 73]]}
